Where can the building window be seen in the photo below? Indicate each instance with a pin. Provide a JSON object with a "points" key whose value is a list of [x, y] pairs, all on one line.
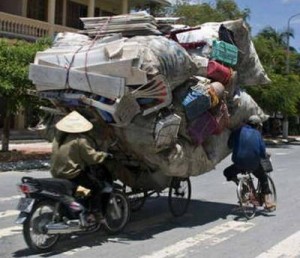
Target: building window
{"points": [[59, 12], [37, 9], [97, 12], [74, 12], [11, 6]]}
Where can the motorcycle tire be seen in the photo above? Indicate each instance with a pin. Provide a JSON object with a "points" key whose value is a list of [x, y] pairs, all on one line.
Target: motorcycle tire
{"points": [[34, 228]]}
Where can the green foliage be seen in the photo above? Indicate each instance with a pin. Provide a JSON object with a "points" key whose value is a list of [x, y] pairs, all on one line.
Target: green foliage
{"points": [[283, 94], [271, 53], [196, 14], [228, 10], [15, 57], [200, 13]]}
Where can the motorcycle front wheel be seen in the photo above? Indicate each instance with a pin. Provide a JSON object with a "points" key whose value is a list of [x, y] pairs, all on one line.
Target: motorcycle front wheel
{"points": [[117, 212], [34, 228]]}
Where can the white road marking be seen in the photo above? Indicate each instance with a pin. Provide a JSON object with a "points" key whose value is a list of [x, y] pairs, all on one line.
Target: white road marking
{"points": [[212, 237], [8, 213], [76, 250], [289, 247], [10, 231], [282, 153], [3, 199]]}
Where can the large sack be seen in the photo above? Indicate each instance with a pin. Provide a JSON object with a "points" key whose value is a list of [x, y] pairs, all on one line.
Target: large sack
{"points": [[246, 107], [249, 67], [164, 56]]}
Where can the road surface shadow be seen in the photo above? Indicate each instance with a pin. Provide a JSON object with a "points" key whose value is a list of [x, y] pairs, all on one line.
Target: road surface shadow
{"points": [[154, 218]]}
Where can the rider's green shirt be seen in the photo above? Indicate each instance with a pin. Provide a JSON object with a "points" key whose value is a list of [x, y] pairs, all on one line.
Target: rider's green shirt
{"points": [[74, 155]]}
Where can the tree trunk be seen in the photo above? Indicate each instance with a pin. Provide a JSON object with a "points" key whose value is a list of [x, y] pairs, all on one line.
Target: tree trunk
{"points": [[5, 132], [285, 127]]}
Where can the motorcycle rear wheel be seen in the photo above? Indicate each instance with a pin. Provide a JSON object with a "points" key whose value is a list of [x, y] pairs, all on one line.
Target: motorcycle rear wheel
{"points": [[34, 228]]}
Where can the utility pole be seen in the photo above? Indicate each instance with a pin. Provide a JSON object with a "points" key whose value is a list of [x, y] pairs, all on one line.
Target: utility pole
{"points": [[288, 43], [285, 125]]}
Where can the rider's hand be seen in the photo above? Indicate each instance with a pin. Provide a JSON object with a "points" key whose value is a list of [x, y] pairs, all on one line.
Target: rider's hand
{"points": [[109, 155]]}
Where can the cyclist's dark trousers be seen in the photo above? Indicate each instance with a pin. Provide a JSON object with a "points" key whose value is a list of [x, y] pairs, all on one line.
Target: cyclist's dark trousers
{"points": [[89, 181], [232, 171]]}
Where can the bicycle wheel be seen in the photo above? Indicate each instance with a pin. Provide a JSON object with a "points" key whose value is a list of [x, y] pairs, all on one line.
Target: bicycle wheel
{"points": [[179, 195], [272, 189], [247, 197]]}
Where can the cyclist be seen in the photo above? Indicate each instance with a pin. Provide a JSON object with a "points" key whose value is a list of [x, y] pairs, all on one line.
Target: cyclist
{"points": [[248, 148]]}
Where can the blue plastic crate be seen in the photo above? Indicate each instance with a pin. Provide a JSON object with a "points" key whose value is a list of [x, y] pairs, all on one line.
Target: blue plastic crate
{"points": [[195, 103]]}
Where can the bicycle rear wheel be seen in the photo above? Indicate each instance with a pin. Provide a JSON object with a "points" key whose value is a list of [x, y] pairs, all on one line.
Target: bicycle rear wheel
{"points": [[247, 198], [272, 189]]}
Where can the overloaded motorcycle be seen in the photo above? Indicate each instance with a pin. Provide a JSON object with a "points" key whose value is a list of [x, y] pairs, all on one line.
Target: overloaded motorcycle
{"points": [[52, 208]]}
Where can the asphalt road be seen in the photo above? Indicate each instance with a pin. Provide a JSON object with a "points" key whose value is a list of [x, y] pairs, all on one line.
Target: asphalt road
{"points": [[212, 227]]}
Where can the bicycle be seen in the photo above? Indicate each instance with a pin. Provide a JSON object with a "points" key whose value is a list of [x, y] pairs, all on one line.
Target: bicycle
{"points": [[251, 199]]}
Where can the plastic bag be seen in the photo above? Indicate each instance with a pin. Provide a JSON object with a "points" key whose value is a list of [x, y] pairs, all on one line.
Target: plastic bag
{"points": [[266, 165]]}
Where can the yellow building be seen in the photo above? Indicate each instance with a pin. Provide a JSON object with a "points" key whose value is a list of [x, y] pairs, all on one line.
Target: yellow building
{"points": [[32, 19]]}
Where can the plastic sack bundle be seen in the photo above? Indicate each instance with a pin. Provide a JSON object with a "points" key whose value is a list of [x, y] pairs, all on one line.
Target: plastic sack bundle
{"points": [[249, 67], [145, 94], [164, 56]]}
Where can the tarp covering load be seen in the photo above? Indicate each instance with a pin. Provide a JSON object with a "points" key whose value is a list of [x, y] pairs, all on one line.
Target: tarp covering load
{"points": [[169, 100]]}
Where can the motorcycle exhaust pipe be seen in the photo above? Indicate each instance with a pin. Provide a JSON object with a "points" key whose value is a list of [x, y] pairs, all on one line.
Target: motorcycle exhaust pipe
{"points": [[62, 228]]}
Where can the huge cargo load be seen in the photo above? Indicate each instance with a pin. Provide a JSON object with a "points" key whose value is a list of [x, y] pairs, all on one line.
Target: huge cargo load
{"points": [[168, 100]]}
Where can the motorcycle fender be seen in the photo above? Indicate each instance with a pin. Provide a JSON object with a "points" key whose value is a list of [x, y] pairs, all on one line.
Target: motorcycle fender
{"points": [[22, 217], [117, 186]]}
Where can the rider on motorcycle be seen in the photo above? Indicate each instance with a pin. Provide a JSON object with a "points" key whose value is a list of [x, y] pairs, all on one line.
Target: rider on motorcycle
{"points": [[73, 154]]}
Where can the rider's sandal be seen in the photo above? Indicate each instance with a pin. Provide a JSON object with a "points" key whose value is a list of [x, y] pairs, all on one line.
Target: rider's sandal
{"points": [[270, 207]]}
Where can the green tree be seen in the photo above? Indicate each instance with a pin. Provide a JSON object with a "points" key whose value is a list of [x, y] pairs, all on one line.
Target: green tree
{"points": [[271, 50], [15, 57], [283, 94], [195, 14]]}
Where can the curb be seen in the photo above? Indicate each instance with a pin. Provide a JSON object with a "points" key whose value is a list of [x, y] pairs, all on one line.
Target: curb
{"points": [[291, 141], [24, 165], [44, 164]]}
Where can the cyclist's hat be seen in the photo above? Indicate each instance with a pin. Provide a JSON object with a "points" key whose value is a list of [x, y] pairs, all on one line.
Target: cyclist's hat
{"points": [[254, 120], [74, 123]]}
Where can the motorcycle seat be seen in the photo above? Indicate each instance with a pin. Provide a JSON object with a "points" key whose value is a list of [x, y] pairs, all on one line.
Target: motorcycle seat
{"points": [[55, 185]]}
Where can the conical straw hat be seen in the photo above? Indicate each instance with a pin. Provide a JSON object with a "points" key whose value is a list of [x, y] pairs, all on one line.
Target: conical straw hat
{"points": [[74, 123]]}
